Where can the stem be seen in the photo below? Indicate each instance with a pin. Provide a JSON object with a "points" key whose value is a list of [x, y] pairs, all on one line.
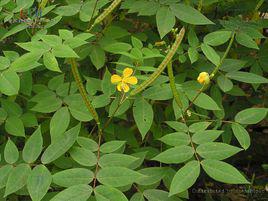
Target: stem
{"points": [[173, 86], [106, 124], [93, 12], [215, 71], [43, 4], [259, 4], [98, 159], [200, 5]]}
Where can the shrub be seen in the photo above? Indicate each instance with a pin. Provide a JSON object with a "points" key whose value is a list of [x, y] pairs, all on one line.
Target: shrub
{"points": [[127, 100]]}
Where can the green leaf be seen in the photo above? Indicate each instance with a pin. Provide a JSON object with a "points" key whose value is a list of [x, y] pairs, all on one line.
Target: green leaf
{"points": [[83, 156], [116, 160], [246, 77], [158, 92], [11, 153], [199, 126], [59, 123], [9, 83], [68, 10], [203, 100], [17, 178], [152, 175], [87, 143], [39, 182], [51, 62], [15, 30], [29, 120], [114, 110], [246, 40], [136, 42], [4, 63], [165, 20], [62, 145], [210, 54], [176, 139], [216, 150], [26, 62], [112, 146], [251, 115], [224, 83], [175, 155], [241, 135], [193, 54], [143, 115], [97, 56], [80, 192], [117, 176], [35, 46], [201, 137], [189, 15], [65, 34], [229, 65], [74, 176], [4, 173], [217, 38], [33, 147], [137, 197], [223, 172], [14, 126], [117, 47], [107, 193], [106, 85], [185, 177], [178, 126], [51, 40], [48, 104], [64, 51], [12, 108], [158, 195]]}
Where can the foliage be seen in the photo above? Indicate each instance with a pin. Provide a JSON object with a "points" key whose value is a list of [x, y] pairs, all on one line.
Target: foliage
{"points": [[89, 112]]}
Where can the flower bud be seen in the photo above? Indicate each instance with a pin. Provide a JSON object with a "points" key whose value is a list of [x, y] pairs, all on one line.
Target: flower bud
{"points": [[203, 78]]}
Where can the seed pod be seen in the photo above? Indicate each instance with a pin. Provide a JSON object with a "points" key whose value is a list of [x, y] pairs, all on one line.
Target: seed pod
{"points": [[162, 66], [83, 92], [106, 12]]}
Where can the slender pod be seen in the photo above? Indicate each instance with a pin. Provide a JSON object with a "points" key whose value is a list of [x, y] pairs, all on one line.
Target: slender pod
{"points": [[106, 12], [83, 92], [173, 85], [163, 65]]}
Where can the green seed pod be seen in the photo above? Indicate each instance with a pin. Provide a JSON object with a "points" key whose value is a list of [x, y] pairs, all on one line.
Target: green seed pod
{"points": [[83, 92], [163, 65], [106, 12]]}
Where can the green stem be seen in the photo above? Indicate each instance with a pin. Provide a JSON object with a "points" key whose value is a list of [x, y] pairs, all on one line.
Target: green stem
{"points": [[93, 13], [200, 5], [215, 71], [43, 4], [173, 86], [259, 4]]}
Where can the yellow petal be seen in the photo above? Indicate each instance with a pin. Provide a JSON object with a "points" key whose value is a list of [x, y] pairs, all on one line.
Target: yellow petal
{"points": [[131, 80], [115, 79], [125, 88], [127, 72], [119, 86]]}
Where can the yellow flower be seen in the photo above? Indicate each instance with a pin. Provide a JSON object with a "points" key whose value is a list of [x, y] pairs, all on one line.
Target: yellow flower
{"points": [[203, 78], [124, 81]]}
